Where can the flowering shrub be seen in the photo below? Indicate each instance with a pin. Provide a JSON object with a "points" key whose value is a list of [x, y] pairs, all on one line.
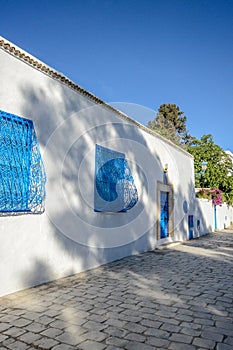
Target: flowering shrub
{"points": [[213, 194], [217, 196]]}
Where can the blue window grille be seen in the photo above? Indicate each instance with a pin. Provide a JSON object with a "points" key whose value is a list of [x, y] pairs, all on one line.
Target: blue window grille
{"points": [[164, 214], [165, 177], [22, 174], [115, 190]]}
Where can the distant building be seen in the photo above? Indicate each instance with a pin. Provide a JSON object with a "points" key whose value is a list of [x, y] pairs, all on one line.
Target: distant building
{"points": [[230, 154]]}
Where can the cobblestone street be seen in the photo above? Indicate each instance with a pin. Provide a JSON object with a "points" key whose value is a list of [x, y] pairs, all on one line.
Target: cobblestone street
{"points": [[178, 298]]}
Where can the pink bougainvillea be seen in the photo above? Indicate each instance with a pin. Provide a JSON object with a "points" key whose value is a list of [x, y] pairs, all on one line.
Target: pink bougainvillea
{"points": [[216, 195], [213, 194]]}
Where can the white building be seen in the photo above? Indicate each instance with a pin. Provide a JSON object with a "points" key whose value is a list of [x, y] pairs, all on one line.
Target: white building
{"points": [[114, 188], [230, 154]]}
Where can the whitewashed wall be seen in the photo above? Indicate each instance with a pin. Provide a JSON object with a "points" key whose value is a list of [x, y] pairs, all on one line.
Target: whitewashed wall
{"points": [[204, 211], [224, 216], [70, 237]]}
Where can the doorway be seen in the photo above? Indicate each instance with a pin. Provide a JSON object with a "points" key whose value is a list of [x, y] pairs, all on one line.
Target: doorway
{"points": [[165, 221], [164, 214]]}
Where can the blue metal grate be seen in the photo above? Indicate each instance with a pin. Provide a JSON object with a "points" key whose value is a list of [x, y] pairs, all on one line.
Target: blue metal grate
{"points": [[22, 175], [164, 214], [114, 183]]}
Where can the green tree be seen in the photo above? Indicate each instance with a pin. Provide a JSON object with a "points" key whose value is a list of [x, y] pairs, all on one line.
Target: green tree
{"points": [[219, 171], [171, 123]]}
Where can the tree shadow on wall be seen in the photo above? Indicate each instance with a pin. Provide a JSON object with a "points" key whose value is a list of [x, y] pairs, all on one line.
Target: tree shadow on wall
{"points": [[51, 108]]}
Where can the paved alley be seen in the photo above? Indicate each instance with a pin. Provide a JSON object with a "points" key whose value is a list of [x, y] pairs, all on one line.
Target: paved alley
{"points": [[178, 298]]}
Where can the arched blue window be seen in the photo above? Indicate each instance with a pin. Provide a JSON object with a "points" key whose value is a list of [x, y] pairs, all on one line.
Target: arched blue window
{"points": [[22, 175], [115, 190]]}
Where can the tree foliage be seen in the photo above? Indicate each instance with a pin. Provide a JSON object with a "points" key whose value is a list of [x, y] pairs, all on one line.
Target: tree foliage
{"points": [[170, 122], [219, 171]]}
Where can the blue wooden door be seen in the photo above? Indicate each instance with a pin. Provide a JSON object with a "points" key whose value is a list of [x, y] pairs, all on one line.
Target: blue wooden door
{"points": [[191, 226], [164, 215], [215, 218]]}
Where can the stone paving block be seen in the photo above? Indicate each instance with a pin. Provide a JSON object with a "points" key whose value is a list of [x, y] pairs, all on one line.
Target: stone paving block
{"points": [[78, 313], [191, 325], [17, 312], [222, 317], [68, 338], [8, 318], [21, 322], [51, 332], [136, 337], [4, 326], [8, 341], [147, 310], [190, 331], [222, 346], [58, 324], [3, 337], [185, 312], [45, 320], [64, 347], [229, 341], [116, 332], [225, 325], [204, 343], [185, 318], [181, 338], [197, 308], [169, 320], [170, 328], [212, 335], [221, 331], [181, 346], [45, 343], [158, 333], [139, 346], [78, 330], [31, 315], [129, 318], [18, 345], [150, 323], [76, 320], [179, 305], [93, 335], [203, 321], [120, 342], [202, 315], [97, 311], [36, 327], [157, 342], [136, 328], [51, 312], [14, 331], [97, 318], [115, 322], [110, 347], [90, 345], [29, 337], [95, 326]]}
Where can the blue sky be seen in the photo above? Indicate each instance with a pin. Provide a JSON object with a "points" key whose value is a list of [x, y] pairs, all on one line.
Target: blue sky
{"points": [[144, 52]]}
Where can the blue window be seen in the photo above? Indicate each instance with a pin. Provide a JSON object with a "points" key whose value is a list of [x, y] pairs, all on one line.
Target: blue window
{"points": [[164, 214], [115, 190], [22, 175], [165, 177]]}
